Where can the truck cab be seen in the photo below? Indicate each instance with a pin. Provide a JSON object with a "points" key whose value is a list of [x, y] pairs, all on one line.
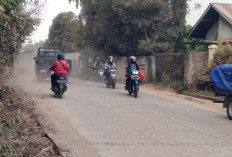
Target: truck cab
{"points": [[44, 59]]}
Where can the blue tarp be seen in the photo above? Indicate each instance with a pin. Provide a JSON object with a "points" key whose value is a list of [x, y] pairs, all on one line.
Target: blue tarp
{"points": [[221, 76]]}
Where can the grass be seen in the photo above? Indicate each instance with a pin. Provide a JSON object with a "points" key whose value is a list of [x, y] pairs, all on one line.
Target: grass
{"points": [[181, 86], [9, 146], [176, 84], [194, 90]]}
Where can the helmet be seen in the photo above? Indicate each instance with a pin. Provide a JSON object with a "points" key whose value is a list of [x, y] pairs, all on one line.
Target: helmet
{"points": [[110, 58], [60, 56], [132, 59], [97, 58]]}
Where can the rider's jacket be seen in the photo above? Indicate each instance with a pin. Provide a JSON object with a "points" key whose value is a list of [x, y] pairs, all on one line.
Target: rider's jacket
{"points": [[59, 68], [110, 65], [133, 66], [97, 64]]}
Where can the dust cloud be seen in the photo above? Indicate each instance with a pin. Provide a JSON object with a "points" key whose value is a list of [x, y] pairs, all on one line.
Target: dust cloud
{"points": [[24, 74]]}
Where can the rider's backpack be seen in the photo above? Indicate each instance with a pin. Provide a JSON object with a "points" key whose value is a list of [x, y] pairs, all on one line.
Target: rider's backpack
{"points": [[141, 74]]}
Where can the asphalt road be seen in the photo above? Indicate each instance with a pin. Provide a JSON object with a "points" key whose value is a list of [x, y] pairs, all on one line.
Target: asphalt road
{"points": [[99, 121]]}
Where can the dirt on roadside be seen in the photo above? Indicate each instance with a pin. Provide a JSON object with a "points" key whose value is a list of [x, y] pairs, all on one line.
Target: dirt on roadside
{"points": [[167, 91], [20, 131]]}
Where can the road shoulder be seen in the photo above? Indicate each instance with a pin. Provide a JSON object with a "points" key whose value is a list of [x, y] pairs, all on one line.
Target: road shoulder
{"points": [[171, 93]]}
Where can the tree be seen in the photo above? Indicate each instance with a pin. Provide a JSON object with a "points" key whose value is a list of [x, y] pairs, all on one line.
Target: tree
{"points": [[133, 26], [16, 25], [65, 32], [33, 47]]}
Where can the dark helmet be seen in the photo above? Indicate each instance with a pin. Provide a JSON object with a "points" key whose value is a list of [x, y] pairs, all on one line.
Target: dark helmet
{"points": [[60, 56], [110, 59]]}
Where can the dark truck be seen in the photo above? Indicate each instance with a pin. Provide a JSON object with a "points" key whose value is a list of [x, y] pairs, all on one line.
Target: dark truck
{"points": [[44, 59]]}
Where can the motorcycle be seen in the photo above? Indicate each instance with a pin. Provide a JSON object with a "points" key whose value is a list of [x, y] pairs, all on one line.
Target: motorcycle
{"points": [[60, 85], [98, 74], [133, 84], [110, 77]]}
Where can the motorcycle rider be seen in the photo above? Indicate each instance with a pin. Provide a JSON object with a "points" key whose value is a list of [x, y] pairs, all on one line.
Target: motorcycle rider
{"points": [[131, 66], [60, 67], [97, 64], [109, 64]]}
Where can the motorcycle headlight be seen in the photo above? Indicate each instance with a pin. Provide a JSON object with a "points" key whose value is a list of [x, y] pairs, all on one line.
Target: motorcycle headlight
{"points": [[135, 72]]}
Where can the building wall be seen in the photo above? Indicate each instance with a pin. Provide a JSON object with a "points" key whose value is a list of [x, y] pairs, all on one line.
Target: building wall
{"points": [[212, 34], [225, 30]]}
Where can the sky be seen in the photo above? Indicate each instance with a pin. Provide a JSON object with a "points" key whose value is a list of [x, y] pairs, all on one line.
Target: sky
{"points": [[54, 7], [51, 10]]}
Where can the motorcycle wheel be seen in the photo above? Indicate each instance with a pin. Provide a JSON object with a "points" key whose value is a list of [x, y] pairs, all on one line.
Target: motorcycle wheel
{"points": [[60, 94], [136, 90], [229, 110], [113, 84]]}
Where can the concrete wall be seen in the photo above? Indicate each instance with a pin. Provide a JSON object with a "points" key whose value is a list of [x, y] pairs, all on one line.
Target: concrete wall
{"points": [[76, 65], [122, 63], [225, 30], [194, 64], [212, 34], [190, 65]]}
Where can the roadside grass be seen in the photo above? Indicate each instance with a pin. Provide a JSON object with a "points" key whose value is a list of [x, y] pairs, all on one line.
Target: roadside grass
{"points": [[21, 134], [205, 92], [11, 122], [181, 86], [9, 145], [170, 82]]}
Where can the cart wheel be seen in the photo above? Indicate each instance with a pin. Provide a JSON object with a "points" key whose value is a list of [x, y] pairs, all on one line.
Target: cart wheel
{"points": [[229, 110]]}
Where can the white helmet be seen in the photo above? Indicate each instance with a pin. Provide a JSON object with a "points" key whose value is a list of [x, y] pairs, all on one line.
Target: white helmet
{"points": [[110, 58], [132, 59]]}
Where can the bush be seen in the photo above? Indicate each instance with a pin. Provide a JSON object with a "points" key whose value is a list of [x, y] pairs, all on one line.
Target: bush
{"points": [[223, 55], [178, 85]]}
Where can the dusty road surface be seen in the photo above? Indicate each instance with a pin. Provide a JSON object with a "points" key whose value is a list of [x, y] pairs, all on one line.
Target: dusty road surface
{"points": [[92, 120]]}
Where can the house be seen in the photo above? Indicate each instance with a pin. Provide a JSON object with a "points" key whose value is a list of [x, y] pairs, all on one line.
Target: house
{"points": [[214, 25]]}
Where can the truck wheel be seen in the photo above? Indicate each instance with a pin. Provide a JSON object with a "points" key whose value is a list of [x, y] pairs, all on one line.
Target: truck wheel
{"points": [[229, 110]]}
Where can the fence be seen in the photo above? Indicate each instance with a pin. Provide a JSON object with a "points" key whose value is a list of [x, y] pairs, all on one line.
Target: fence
{"points": [[179, 66], [172, 64]]}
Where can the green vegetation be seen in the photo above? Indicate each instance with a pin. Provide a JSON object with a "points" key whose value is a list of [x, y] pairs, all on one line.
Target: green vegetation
{"points": [[33, 47], [195, 90], [223, 55], [142, 27], [65, 32], [16, 24], [176, 84], [132, 26]]}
